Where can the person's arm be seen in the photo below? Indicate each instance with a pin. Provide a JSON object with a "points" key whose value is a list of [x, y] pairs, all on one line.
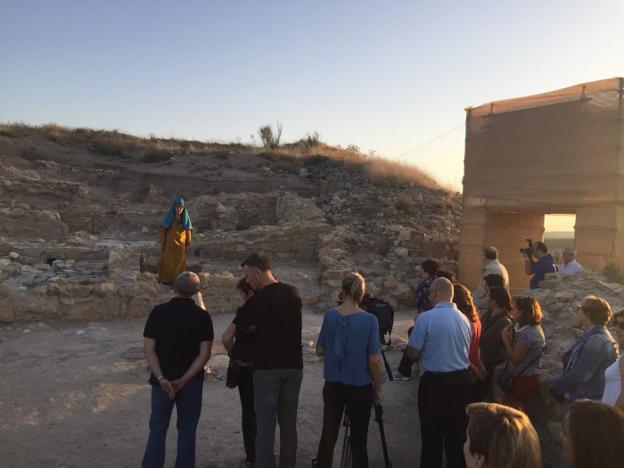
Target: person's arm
{"points": [[199, 300], [515, 352], [149, 348], [197, 365], [620, 401], [583, 369], [320, 342], [375, 365], [527, 266], [228, 337], [189, 237], [413, 353], [416, 341], [480, 369], [163, 238]]}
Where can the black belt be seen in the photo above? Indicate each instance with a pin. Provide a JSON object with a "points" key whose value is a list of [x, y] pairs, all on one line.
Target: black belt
{"points": [[447, 373]]}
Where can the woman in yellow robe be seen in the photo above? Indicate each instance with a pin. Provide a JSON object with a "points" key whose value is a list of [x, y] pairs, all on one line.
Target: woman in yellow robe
{"points": [[175, 239]]}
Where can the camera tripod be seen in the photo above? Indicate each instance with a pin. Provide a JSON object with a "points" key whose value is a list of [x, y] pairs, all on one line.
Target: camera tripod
{"points": [[345, 460]]}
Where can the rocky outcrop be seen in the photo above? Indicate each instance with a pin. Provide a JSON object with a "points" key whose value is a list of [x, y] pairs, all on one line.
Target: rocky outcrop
{"points": [[558, 296], [79, 220], [22, 221]]}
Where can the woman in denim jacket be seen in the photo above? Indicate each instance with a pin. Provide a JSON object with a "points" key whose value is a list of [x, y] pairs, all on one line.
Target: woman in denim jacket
{"points": [[585, 362]]}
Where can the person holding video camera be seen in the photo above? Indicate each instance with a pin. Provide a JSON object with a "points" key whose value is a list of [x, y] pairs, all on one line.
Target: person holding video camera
{"points": [[543, 264], [349, 340]]}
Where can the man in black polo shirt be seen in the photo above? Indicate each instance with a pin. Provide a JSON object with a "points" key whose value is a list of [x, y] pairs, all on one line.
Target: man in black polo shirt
{"points": [[177, 341], [278, 366]]}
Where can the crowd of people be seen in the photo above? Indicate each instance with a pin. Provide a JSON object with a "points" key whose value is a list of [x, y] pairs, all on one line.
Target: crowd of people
{"points": [[468, 349]]}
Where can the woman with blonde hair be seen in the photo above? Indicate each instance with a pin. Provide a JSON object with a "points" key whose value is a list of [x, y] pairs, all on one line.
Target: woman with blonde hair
{"points": [[500, 437], [350, 341]]}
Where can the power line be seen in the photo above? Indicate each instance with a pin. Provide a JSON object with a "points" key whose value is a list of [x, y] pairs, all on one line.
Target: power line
{"points": [[432, 140]]}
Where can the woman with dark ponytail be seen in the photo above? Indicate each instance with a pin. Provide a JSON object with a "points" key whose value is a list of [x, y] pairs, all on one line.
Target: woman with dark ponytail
{"points": [[350, 342]]}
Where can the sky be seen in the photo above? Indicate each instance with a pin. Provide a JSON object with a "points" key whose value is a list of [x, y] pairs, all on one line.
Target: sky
{"points": [[387, 76]]}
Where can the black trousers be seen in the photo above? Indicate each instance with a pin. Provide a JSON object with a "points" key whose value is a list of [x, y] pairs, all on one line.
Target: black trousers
{"points": [[358, 401], [405, 366], [442, 399], [246, 392], [482, 389]]}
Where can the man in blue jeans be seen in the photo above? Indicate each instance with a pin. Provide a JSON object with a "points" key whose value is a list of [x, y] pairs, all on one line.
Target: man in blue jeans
{"points": [[177, 341], [278, 364]]}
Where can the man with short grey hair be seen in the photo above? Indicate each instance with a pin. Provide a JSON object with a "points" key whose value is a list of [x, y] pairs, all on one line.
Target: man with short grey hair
{"points": [[177, 341], [492, 266], [569, 266]]}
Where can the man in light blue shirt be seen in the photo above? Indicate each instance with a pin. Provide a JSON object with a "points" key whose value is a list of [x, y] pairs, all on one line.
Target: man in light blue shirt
{"points": [[441, 340]]}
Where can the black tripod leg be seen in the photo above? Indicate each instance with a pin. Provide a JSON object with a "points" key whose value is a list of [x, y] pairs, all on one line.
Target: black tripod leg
{"points": [[387, 366], [345, 461], [382, 433]]}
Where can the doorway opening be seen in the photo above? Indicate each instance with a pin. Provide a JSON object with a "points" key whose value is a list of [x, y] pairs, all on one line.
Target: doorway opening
{"points": [[559, 233]]}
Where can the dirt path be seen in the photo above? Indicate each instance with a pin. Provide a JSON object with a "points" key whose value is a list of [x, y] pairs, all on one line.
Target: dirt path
{"points": [[76, 396]]}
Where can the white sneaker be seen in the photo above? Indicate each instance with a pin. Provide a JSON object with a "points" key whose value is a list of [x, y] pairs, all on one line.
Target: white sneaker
{"points": [[398, 376]]}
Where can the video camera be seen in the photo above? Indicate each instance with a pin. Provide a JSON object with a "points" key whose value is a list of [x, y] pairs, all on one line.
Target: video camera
{"points": [[528, 251]]}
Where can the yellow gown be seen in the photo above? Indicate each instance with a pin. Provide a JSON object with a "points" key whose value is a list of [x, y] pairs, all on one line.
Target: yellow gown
{"points": [[174, 242]]}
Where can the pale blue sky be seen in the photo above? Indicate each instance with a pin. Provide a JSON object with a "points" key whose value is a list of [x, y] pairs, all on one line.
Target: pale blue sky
{"points": [[384, 75]]}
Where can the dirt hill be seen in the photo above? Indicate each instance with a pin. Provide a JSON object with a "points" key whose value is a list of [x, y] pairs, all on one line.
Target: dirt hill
{"points": [[78, 206]]}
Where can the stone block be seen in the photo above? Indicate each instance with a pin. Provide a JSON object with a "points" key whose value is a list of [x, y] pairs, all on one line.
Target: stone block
{"points": [[390, 282], [7, 315], [548, 284], [401, 252]]}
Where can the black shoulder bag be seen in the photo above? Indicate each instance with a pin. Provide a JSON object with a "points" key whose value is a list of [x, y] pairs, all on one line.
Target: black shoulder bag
{"points": [[506, 379]]}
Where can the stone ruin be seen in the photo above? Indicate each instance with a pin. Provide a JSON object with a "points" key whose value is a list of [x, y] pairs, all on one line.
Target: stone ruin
{"points": [[74, 225], [557, 152]]}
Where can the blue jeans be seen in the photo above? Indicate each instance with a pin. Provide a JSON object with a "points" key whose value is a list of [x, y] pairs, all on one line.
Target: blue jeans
{"points": [[276, 398], [188, 406]]}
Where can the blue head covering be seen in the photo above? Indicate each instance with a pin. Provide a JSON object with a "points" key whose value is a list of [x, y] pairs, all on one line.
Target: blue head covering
{"points": [[170, 216]]}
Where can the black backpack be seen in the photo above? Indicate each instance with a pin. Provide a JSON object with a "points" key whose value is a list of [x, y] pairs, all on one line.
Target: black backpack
{"points": [[384, 313]]}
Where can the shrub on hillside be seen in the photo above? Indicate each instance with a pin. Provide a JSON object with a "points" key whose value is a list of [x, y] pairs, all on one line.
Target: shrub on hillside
{"points": [[106, 147], [312, 139], [406, 205], [317, 160], [270, 139], [157, 155], [18, 130], [55, 133]]}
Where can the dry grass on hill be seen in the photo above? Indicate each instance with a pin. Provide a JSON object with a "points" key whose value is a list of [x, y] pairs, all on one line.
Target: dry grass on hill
{"points": [[290, 157]]}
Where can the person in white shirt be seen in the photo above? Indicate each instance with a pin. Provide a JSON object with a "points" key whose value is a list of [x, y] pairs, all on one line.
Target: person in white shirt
{"points": [[569, 266], [614, 374], [491, 267]]}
